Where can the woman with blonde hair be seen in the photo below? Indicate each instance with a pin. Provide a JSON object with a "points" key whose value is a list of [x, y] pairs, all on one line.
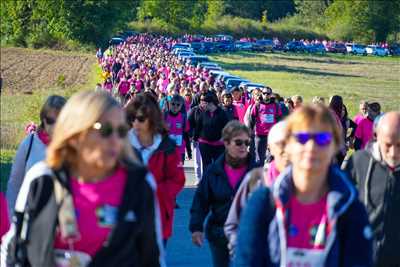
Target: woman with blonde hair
{"points": [[312, 216], [89, 203]]}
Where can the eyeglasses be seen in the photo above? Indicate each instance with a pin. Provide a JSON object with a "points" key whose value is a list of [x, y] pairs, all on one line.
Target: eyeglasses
{"points": [[49, 121], [140, 119], [175, 104], [320, 138], [240, 142], [106, 130]]}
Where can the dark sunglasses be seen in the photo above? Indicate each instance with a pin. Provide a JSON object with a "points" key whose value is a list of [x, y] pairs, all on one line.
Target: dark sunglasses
{"points": [[320, 138], [240, 142], [106, 130], [49, 121], [175, 104], [140, 119]]}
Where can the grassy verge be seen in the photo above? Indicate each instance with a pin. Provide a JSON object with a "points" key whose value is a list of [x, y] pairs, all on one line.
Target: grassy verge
{"points": [[353, 77], [17, 110]]}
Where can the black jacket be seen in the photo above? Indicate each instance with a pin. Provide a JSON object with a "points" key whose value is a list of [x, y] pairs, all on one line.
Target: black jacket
{"points": [[209, 127], [214, 194], [230, 112], [134, 241], [379, 191]]}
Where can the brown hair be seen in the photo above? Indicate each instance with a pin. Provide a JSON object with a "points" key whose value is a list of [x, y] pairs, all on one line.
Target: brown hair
{"points": [[53, 102], [232, 129], [147, 105], [311, 114]]}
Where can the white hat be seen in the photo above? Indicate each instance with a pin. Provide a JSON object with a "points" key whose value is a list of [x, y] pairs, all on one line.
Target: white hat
{"points": [[277, 133]]}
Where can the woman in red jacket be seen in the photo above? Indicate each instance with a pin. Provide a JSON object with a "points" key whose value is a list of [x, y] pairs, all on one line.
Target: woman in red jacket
{"points": [[149, 138]]}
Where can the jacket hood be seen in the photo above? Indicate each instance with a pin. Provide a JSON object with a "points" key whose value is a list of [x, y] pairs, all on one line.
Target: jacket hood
{"points": [[341, 193], [145, 152], [375, 152]]}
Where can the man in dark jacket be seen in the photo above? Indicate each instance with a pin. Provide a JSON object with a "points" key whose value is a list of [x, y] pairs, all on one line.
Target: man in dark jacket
{"points": [[376, 171]]}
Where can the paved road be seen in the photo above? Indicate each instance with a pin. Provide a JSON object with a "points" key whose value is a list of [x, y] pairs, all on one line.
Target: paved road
{"points": [[180, 250]]}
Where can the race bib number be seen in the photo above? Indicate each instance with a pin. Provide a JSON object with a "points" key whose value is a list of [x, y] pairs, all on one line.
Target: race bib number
{"points": [[267, 118], [178, 125], [297, 257], [177, 138]]}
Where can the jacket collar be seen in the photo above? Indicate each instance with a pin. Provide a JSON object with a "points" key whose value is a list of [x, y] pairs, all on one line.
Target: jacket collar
{"points": [[341, 192], [373, 149]]}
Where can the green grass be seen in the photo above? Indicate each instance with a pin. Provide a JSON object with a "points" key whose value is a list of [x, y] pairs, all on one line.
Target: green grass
{"points": [[18, 110], [353, 77]]}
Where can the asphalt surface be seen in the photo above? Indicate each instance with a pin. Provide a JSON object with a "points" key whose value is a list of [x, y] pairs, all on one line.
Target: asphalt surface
{"points": [[180, 250]]}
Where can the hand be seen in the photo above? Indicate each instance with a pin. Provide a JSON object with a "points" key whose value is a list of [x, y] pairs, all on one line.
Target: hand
{"points": [[198, 238]]}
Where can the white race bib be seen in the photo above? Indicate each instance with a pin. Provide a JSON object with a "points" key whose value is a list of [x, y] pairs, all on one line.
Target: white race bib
{"points": [[299, 257], [267, 118], [177, 138], [68, 258]]}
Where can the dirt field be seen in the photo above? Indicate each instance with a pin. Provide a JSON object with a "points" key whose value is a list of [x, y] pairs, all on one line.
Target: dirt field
{"points": [[24, 70]]}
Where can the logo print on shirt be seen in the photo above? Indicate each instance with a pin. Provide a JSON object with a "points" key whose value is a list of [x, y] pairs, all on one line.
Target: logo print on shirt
{"points": [[293, 231], [106, 215], [178, 125]]}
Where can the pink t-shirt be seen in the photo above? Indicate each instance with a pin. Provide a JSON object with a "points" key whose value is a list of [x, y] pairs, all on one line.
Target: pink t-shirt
{"points": [[234, 175], [4, 221], [365, 131], [124, 87], [266, 117], [175, 127], [305, 221], [240, 109], [358, 118], [96, 208]]}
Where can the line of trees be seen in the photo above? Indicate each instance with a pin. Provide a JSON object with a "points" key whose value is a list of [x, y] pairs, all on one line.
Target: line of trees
{"points": [[47, 23]]}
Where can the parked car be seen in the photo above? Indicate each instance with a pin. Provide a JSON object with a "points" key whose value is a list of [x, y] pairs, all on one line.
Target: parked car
{"points": [[243, 46], [394, 50], [263, 45], [294, 46], [176, 51], [182, 45], [316, 48], [336, 48], [349, 48], [377, 50], [232, 82], [116, 41], [358, 49], [182, 55], [210, 64], [195, 60], [216, 73], [209, 47], [225, 46], [197, 47]]}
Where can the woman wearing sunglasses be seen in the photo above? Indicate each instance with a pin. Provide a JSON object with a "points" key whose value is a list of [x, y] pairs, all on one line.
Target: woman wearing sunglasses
{"points": [[89, 203], [33, 148], [216, 190], [150, 140], [311, 216]]}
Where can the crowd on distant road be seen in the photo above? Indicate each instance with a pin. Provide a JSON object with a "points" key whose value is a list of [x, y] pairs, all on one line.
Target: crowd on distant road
{"points": [[95, 184]]}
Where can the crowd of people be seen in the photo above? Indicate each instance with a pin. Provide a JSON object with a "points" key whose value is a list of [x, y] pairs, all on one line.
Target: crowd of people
{"points": [[95, 184]]}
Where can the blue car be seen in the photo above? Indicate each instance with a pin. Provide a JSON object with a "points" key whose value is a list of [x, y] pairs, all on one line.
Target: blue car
{"points": [[316, 48]]}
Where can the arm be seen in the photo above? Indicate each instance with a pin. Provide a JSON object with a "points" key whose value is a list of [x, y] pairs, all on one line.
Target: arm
{"points": [[200, 205], [174, 175], [17, 174], [355, 232], [252, 243]]}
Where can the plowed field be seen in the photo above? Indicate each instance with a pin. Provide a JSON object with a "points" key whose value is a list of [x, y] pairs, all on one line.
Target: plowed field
{"points": [[25, 70]]}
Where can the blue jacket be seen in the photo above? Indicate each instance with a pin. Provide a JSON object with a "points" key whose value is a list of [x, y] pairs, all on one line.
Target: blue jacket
{"points": [[262, 238]]}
